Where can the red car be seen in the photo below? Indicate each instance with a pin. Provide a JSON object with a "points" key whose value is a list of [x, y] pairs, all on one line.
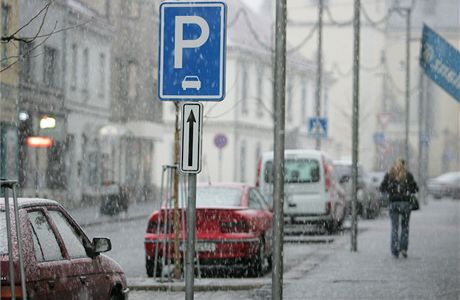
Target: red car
{"points": [[60, 261], [233, 229]]}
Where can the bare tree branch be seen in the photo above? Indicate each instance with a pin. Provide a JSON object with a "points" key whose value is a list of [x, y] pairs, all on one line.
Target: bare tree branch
{"points": [[13, 37], [30, 51]]}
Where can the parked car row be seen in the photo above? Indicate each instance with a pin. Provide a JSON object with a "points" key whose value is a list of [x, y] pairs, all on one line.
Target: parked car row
{"points": [[233, 228]]}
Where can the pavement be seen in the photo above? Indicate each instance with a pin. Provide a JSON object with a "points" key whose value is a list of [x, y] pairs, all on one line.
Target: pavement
{"points": [[90, 215], [431, 271]]}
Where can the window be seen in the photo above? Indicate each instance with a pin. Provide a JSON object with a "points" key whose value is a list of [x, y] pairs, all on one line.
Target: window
{"points": [[93, 168], [46, 246], [303, 101], [132, 81], [5, 32], [258, 151], [256, 200], [253, 201], [244, 89], [295, 171], [101, 75], [73, 242], [243, 161], [3, 240], [260, 93], [85, 73], [74, 66], [56, 171], [50, 67], [26, 61], [289, 102]]}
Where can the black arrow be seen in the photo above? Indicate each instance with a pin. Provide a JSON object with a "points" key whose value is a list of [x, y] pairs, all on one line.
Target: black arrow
{"points": [[191, 120]]}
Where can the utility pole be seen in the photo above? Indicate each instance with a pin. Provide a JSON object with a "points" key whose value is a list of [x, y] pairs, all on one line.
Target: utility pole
{"points": [[355, 126], [406, 146], [278, 186], [319, 73], [422, 139]]}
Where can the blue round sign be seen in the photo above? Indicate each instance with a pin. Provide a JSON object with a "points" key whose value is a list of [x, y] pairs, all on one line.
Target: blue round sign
{"points": [[220, 140]]}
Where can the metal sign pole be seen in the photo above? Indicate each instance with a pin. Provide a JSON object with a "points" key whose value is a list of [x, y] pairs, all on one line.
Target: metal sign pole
{"points": [[278, 187], [319, 75], [407, 94], [10, 243], [355, 125], [20, 248], [191, 223]]}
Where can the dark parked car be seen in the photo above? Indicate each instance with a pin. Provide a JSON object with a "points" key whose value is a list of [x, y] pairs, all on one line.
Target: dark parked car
{"points": [[60, 261], [368, 202], [445, 185]]}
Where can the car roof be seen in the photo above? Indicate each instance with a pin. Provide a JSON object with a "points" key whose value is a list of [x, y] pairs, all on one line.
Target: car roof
{"points": [[310, 153], [29, 202], [448, 176]]}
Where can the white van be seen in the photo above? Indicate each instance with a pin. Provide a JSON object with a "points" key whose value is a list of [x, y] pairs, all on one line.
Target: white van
{"points": [[311, 192]]}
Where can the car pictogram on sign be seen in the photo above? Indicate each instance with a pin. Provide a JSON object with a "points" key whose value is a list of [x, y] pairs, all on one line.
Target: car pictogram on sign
{"points": [[191, 82]]}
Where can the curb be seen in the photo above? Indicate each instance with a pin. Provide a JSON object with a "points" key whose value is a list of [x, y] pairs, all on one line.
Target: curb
{"points": [[206, 286]]}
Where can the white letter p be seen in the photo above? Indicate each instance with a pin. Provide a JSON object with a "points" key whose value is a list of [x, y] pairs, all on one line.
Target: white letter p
{"points": [[180, 43]]}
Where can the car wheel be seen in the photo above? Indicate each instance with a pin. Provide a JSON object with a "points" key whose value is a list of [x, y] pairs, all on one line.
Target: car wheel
{"points": [[256, 267], [150, 265], [331, 226], [116, 293]]}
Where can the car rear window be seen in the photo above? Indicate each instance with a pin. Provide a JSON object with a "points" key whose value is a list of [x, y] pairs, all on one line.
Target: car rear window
{"points": [[217, 197], [3, 240], [295, 171]]}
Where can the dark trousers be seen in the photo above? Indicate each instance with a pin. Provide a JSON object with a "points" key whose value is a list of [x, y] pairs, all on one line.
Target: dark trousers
{"points": [[399, 214]]}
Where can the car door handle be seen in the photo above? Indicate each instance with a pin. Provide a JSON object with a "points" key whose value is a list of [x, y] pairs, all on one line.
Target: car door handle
{"points": [[83, 279], [292, 205], [51, 283]]}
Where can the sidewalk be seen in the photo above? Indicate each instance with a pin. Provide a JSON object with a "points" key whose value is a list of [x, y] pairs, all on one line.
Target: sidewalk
{"points": [[90, 216], [431, 271]]}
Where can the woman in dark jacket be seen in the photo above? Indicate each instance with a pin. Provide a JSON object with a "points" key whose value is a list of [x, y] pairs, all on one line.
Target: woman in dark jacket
{"points": [[400, 185]]}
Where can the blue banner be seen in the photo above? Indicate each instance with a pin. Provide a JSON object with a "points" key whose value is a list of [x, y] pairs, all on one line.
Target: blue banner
{"points": [[441, 62]]}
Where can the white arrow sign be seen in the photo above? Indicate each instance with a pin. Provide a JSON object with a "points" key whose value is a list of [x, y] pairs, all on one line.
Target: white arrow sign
{"points": [[192, 120]]}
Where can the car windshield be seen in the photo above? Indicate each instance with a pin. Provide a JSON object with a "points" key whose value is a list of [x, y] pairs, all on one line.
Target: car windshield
{"points": [[296, 171], [211, 196], [218, 197], [3, 241]]}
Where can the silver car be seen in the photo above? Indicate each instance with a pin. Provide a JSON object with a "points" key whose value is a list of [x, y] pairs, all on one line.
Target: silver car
{"points": [[445, 185]]}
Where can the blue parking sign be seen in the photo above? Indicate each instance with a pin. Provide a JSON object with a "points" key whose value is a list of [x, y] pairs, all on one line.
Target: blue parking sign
{"points": [[192, 51]]}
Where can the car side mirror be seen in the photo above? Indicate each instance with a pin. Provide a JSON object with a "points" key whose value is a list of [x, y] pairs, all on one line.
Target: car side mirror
{"points": [[101, 245]]}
